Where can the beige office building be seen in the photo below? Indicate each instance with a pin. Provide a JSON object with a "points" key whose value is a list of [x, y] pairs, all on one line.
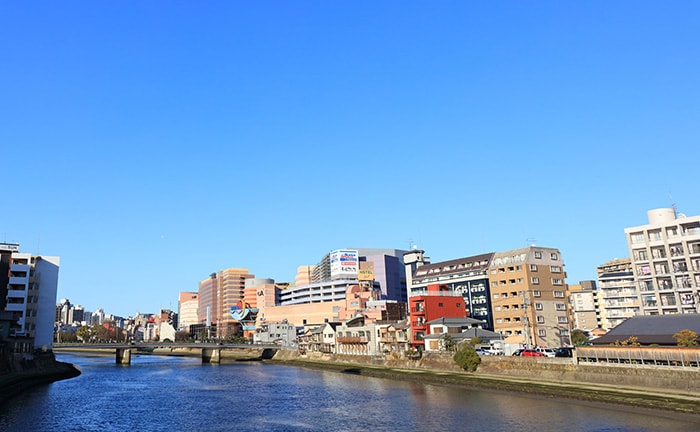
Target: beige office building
{"points": [[187, 310], [585, 311], [665, 256]]}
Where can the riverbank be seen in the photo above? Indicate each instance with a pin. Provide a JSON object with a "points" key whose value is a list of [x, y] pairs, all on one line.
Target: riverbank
{"points": [[25, 374], [442, 371]]}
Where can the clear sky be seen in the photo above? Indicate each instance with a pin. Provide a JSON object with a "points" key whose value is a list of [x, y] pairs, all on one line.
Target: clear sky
{"points": [[149, 144]]}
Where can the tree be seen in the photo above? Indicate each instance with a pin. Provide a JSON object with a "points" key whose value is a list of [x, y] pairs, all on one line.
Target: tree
{"points": [[686, 338], [467, 358], [448, 343], [475, 341], [84, 333], [579, 337]]}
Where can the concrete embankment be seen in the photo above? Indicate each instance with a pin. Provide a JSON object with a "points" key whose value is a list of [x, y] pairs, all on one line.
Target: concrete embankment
{"points": [[648, 388], [22, 375]]}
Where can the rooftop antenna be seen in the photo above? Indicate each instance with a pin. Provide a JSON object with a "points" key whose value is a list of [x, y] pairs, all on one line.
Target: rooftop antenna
{"points": [[411, 246], [673, 204], [530, 241]]}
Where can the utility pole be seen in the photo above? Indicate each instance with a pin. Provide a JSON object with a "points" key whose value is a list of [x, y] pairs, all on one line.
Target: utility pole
{"points": [[526, 320]]}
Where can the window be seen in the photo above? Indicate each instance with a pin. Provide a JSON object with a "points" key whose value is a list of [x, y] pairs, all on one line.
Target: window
{"points": [[518, 267], [561, 306], [540, 319], [535, 280], [538, 254], [440, 305], [499, 321], [541, 332], [556, 281], [556, 269], [559, 294], [459, 304], [497, 308], [561, 320], [538, 306], [637, 238], [536, 293], [533, 267], [496, 296], [554, 256], [495, 283]]}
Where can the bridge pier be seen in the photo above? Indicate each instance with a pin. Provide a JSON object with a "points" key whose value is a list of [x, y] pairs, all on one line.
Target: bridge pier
{"points": [[211, 355], [123, 356]]}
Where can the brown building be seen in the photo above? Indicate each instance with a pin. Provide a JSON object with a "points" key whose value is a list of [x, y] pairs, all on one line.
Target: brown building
{"points": [[528, 296]]}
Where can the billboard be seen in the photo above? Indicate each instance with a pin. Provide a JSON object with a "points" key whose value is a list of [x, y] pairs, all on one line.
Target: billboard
{"points": [[366, 272], [344, 264]]}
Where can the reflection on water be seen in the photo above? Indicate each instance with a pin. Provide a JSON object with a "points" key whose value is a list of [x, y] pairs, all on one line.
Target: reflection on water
{"points": [[166, 394]]}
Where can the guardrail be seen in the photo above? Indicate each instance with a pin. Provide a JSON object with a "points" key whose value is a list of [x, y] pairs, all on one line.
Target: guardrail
{"points": [[650, 356]]}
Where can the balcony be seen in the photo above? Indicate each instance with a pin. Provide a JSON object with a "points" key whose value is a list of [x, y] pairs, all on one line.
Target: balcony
{"points": [[352, 340]]}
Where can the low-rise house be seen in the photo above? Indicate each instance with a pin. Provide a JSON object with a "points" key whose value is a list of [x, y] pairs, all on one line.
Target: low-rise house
{"points": [[356, 337], [394, 337], [281, 333], [319, 339], [459, 329]]}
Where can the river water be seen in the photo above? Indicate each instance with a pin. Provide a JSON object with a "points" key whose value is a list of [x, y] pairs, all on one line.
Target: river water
{"points": [[180, 394]]}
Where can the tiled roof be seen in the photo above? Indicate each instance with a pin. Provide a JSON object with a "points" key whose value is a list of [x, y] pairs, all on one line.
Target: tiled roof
{"points": [[456, 322], [651, 329]]}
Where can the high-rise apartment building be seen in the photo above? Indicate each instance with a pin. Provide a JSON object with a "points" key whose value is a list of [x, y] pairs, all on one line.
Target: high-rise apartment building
{"points": [[30, 295], [467, 277], [528, 296], [665, 256], [618, 294]]}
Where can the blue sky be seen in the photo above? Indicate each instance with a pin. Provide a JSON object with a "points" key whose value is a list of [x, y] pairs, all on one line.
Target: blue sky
{"points": [[149, 144]]}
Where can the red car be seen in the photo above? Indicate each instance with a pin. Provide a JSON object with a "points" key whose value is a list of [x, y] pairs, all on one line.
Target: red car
{"points": [[531, 353]]}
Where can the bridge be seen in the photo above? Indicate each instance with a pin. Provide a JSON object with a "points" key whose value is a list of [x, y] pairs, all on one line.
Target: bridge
{"points": [[210, 352]]}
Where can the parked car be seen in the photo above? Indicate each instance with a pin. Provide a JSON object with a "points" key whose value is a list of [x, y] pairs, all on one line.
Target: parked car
{"points": [[564, 352], [531, 353], [482, 352], [518, 352], [547, 352]]}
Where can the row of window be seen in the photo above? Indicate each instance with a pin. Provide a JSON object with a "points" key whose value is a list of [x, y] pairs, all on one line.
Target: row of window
{"points": [[533, 267], [538, 306], [535, 293]]}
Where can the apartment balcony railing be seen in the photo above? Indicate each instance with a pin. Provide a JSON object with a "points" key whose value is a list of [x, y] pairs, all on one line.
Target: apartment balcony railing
{"points": [[352, 340]]}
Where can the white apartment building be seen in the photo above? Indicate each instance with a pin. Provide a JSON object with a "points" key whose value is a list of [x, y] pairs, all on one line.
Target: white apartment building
{"points": [[31, 296], [618, 294], [665, 256]]}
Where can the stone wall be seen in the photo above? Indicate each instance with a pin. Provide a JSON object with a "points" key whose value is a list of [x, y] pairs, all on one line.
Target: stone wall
{"points": [[562, 370]]}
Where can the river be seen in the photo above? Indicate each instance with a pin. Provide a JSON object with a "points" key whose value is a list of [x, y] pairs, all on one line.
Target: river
{"points": [[180, 394]]}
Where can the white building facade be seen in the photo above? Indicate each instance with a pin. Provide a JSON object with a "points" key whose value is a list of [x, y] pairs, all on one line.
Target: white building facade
{"points": [[665, 255], [31, 296]]}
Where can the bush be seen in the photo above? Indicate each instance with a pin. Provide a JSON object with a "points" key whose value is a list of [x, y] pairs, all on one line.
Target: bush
{"points": [[467, 358]]}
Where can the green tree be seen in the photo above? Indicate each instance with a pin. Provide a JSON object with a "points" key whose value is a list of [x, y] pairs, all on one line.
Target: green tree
{"points": [[84, 333], [467, 358], [579, 337], [448, 343], [475, 341], [686, 338], [67, 337]]}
